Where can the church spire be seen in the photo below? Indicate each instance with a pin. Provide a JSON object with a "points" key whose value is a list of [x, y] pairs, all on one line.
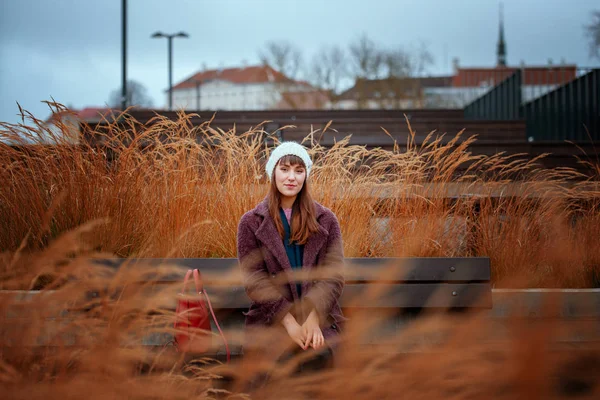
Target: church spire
{"points": [[501, 44]]}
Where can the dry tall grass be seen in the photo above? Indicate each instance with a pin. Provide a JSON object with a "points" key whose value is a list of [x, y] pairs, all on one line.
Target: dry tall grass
{"points": [[62, 343], [165, 191], [61, 203]]}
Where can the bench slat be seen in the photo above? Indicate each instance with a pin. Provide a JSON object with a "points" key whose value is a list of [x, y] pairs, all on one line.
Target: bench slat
{"points": [[417, 269], [420, 269], [443, 295], [381, 295]]}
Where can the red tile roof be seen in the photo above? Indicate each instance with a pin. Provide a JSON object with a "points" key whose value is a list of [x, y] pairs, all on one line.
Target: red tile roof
{"points": [[88, 114], [545, 75], [253, 74]]}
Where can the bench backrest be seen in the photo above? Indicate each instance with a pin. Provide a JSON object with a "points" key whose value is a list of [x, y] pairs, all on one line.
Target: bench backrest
{"points": [[396, 283]]}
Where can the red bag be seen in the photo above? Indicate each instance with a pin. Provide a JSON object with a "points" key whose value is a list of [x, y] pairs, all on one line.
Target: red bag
{"points": [[192, 323]]}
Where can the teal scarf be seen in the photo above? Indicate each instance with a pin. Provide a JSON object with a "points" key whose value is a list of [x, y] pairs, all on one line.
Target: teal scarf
{"points": [[294, 251]]}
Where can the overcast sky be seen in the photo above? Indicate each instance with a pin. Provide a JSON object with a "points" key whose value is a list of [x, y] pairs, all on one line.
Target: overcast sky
{"points": [[71, 49]]}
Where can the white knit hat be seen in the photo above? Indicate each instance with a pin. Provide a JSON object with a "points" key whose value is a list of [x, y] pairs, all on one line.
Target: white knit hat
{"points": [[286, 149]]}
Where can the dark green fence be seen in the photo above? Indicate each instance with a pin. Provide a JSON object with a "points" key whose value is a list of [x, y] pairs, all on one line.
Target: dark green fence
{"points": [[503, 102], [570, 112], [553, 112]]}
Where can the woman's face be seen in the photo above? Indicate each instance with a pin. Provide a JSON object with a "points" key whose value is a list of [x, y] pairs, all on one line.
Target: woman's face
{"points": [[289, 178]]}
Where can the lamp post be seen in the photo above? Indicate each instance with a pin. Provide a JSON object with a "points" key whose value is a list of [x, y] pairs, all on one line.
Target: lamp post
{"points": [[170, 41], [198, 84], [123, 54]]}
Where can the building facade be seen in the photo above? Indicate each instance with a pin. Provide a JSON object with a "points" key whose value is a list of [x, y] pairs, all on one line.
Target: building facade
{"points": [[245, 88], [459, 90]]}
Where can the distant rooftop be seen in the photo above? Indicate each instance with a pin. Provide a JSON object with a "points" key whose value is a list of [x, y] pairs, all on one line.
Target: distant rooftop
{"points": [[250, 74], [532, 75], [370, 88], [87, 114]]}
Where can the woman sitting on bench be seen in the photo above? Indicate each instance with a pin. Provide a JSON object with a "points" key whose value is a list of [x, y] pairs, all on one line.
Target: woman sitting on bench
{"points": [[285, 235]]}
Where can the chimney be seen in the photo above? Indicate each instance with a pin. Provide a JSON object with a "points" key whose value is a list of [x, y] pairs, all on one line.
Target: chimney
{"points": [[455, 65]]}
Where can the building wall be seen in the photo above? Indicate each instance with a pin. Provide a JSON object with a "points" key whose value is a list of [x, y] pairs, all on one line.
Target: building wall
{"points": [[371, 104], [453, 97], [223, 95], [459, 97], [532, 92], [67, 133]]}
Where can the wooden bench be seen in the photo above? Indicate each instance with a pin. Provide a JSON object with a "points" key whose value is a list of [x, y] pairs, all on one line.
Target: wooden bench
{"points": [[405, 287]]}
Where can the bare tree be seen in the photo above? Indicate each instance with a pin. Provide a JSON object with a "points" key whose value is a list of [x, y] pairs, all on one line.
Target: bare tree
{"points": [[283, 56], [403, 67], [592, 32], [422, 59], [403, 62], [366, 61], [397, 63], [286, 58], [137, 95], [388, 77], [328, 70], [365, 57]]}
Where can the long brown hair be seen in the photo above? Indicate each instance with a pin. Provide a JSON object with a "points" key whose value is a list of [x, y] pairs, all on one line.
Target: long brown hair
{"points": [[304, 219]]}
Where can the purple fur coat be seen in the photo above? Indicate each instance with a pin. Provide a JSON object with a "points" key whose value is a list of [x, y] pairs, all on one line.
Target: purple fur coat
{"points": [[267, 271]]}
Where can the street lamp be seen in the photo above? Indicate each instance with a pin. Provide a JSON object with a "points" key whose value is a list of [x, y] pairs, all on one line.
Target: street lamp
{"points": [[198, 84], [170, 41], [123, 54]]}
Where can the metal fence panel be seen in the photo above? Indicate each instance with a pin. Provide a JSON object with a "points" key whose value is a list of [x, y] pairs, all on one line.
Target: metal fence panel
{"points": [[567, 113], [557, 105], [503, 102]]}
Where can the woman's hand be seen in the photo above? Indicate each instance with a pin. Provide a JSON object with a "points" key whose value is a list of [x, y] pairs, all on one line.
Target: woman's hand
{"points": [[312, 331], [295, 331]]}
